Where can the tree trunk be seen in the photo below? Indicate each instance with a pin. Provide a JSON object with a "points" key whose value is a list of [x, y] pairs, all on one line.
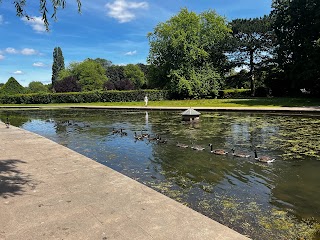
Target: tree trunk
{"points": [[252, 80]]}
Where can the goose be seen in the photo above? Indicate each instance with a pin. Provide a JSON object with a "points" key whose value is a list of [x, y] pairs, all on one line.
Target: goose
{"points": [[115, 131], [217, 151], [156, 137], [197, 147], [145, 135], [123, 133], [138, 137], [181, 145], [7, 123], [240, 154], [263, 159], [159, 140]]}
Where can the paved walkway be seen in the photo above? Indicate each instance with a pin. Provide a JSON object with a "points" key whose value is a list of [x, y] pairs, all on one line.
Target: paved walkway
{"points": [[48, 191]]}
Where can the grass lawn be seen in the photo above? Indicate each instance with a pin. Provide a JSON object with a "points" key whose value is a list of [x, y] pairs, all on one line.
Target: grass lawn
{"points": [[252, 102]]}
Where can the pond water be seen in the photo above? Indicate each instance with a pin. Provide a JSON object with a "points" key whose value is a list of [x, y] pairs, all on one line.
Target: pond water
{"points": [[279, 200]]}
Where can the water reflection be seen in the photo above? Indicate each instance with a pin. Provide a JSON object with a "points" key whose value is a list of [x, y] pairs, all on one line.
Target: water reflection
{"points": [[264, 201]]}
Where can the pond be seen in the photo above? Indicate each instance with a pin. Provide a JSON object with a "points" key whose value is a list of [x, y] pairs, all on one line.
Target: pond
{"points": [[279, 200]]}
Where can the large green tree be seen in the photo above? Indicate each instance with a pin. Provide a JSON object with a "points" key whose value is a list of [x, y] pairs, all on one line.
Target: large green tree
{"points": [[182, 46], [21, 9], [135, 75], [58, 64], [252, 44], [89, 74], [297, 28], [37, 87]]}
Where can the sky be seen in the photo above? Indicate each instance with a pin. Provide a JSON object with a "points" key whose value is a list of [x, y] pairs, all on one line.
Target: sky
{"points": [[115, 30]]}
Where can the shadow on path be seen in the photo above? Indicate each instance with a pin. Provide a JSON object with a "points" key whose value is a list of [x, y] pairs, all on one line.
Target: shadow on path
{"points": [[12, 180]]}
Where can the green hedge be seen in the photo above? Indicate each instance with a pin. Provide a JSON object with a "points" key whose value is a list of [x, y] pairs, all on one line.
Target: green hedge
{"points": [[85, 97], [234, 93]]}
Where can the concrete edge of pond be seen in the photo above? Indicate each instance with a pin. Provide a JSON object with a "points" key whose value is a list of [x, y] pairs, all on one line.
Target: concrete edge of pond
{"points": [[48, 191]]}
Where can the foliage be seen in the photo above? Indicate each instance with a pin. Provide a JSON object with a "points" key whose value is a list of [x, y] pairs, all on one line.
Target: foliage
{"points": [[20, 6], [68, 84], [103, 62], [296, 25], [37, 87], [182, 44], [135, 75], [84, 97], [195, 83], [234, 93], [89, 74], [238, 79], [124, 84], [12, 87], [58, 64], [252, 44]]}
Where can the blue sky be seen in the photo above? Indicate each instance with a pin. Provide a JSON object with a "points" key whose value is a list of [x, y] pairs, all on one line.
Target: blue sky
{"points": [[115, 30]]}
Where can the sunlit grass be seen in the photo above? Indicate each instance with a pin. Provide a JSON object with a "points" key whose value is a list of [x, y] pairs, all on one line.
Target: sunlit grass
{"points": [[252, 102]]}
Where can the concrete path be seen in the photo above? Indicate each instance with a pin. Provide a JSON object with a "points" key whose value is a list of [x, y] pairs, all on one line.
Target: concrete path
{"points": [[48, 191]]}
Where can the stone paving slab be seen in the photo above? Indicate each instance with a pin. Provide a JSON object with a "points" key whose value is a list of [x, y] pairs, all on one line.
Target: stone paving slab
{"points": [[48, 191]]}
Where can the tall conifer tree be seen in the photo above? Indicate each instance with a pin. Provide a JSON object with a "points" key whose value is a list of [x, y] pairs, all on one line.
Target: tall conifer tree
{"points": [[58, 64]]}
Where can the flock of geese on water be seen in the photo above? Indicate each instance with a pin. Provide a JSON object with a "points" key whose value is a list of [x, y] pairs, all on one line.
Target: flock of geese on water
{"points": [[159, 140]]}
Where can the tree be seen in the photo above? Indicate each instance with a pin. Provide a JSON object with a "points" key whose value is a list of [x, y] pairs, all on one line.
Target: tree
{"points": [[68, 84], [12, 87], [135, 75], [58, 64], [184, 44], [252, 44], [37, 87], [89, 74], [20, 6], [296, 25]]}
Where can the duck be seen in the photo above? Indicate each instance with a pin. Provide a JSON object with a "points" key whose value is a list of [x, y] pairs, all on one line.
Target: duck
{"points": [[181, 145], [263, 159], [239, 154], [197, 147], [217, 151]]}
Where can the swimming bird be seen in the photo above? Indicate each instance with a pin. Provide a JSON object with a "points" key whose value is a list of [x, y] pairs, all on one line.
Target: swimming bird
{"points": [[263, 159], [181, 145], [123, 133], [217, 151], [156, 137], [115, 131], [159, 140], [197, 147], [138, 137], [239, 154]]}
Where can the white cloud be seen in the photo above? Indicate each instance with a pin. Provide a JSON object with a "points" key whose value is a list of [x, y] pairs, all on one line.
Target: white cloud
{"points": [[28, 51], [122, 10], [11, 50], [18, 72], [38, 64], [36, 23], [1, 57], [1, 19], [131, 53]]}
